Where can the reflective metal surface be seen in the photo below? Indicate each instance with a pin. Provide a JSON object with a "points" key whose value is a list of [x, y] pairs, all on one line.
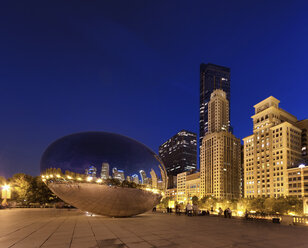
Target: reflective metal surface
{"points": [[104, 173]]}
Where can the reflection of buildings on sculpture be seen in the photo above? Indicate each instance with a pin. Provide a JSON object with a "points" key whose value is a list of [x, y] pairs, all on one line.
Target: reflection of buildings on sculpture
{"points": [[154, 179], [118, 174], [143, 177], [129, 178], [135, 179], [188, 186], [91, 172], [105, 171]]}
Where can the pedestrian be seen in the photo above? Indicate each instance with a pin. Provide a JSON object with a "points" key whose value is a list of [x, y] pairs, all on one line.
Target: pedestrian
{"points": [[229, 213], [220, 212], [154, 210], [189, 209], [195, 209], [225, 213]]}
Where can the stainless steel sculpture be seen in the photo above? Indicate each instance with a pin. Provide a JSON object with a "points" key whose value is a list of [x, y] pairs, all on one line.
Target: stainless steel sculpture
{"points": [[71, 169]]}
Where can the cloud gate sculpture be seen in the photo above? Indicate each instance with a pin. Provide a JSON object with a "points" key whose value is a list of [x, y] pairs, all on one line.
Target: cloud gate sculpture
{"points": [[104, 173]]}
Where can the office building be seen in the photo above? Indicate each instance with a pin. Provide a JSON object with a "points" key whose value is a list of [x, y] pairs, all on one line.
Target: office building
{"points": [[118, 174], [91, 171], [143, 176], [298, 181], [105, 171], [212, 77], [135, 179], [220, 153], [303, 125], [188, 186], [179, 154], [274, 146]]}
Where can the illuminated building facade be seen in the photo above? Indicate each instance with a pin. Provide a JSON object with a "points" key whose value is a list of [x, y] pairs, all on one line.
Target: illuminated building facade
{"points": [[105, 171], [91, 171], [143, 176], [220, 153], [188, 186], [298, 181], [212, 77], [118, 174], [135, 179], [172, 194], [274, 146], [303, 125], [179, 154]]}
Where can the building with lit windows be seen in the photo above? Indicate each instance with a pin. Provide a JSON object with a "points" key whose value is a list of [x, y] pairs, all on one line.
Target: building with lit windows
{"points": [[144, 179], [105, 171], [118, 174], [91, 171], [179, 154], [212, 77], [298, 181], [274, 146], [220, 152], [303, 125], [188, 186], [172, 194]]}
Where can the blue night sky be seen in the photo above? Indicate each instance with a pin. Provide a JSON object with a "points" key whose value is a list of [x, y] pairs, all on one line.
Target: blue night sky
{"points": [[132, 67]]}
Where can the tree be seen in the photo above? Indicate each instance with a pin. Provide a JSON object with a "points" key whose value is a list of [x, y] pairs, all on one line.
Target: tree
{"points": [[2, 181], [21, 184], [194, 199]]}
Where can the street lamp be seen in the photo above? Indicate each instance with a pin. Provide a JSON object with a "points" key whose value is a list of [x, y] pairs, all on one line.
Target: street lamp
{"points": [[6, 194]]}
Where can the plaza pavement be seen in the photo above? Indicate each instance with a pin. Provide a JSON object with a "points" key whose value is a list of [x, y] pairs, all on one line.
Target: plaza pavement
{"points": [[30, 228]]}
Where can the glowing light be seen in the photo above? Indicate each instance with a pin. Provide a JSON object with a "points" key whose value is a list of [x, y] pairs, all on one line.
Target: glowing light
{"points": [[79, 178], [89, 179], [240, 213], [301, 166], [44, 180], [58, 176], [51, 176], [43, 176], [291, 213], [69, 177], [99, 180], [6, 187], [253, 212]]}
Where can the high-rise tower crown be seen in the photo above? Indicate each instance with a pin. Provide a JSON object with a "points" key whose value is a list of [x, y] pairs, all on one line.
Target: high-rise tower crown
{"points": [[218, 112]]}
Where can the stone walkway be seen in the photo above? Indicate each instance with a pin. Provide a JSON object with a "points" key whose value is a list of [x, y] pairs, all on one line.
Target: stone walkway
{"points": [[23, 228]]}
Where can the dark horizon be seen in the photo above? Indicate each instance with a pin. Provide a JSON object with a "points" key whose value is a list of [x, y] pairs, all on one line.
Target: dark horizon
{"points": [[133, 68]]}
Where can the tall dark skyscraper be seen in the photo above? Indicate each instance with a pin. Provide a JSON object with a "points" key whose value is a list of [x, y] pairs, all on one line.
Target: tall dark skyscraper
{"points": [[212, 77], [179, 154]]}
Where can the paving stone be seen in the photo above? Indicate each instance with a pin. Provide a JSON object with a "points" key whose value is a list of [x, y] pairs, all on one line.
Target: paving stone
{"points": [[31, 228]]}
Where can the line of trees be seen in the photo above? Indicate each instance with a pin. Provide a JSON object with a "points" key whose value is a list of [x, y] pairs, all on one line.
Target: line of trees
{"points": [[282, 205], [26, 190]]}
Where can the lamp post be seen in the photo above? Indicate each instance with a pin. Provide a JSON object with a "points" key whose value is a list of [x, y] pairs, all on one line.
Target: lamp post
{"points": [[6, 194]]}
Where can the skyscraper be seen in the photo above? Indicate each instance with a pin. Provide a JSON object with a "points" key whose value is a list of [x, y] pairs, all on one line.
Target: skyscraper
{"points": [[179, 154], [135, 179], [105, 171], [220, 153], [91, 171], [211, 77], [143, 177], [118, 174]]}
